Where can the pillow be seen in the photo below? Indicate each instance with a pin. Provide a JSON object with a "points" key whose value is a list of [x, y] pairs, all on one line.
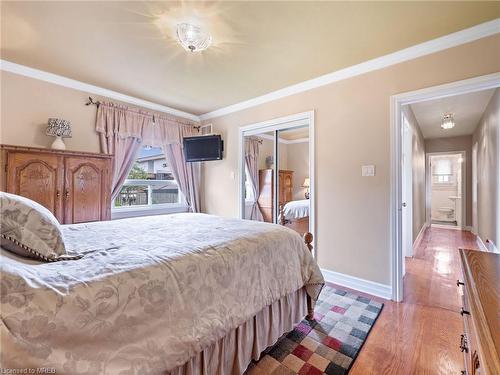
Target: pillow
{"points": [[29, 229]]}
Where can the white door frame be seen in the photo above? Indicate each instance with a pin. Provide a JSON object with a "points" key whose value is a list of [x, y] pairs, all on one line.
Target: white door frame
{"points": [[282, 123], [463, 188], [474, 188], [407, 192], [396, 103]]}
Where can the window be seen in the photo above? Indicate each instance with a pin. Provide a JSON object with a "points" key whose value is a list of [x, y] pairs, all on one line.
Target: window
{"points": [[150, 185], [442, 171]]}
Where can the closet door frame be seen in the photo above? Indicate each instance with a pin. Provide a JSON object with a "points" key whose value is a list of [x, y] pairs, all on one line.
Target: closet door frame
{"points": [[275, 125]]}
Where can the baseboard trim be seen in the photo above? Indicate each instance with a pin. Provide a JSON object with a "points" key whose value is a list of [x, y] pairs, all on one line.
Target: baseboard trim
{"points": [[418, 240], [481, 244], [352, 282], [487, 245], [492, 247]]}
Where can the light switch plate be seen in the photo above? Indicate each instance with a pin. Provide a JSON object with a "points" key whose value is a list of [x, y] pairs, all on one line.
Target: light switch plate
{"points": [[367, 170]]}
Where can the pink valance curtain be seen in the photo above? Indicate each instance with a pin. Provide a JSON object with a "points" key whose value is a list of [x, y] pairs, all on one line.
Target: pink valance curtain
{"points": [[123, 130]]}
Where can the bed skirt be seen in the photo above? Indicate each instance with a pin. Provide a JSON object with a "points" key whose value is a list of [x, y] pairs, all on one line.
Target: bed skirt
{"points": [[232, 354]]}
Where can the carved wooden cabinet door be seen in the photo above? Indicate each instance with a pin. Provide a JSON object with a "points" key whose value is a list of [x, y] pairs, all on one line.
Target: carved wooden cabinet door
{"points": [[37, 177], [285, 186], [86, 195]]}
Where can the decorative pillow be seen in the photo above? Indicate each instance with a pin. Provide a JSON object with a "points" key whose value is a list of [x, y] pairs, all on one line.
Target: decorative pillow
{"points": [[29, 229]]}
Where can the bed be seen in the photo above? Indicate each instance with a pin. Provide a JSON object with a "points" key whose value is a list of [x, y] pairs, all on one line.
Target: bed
{"points": [[295, 215], [170, 294]]}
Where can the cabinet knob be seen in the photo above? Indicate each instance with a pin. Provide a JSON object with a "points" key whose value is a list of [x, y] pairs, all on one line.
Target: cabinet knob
{"points": [[66, 194], [464, 312], [459, 283], [58, 194]]}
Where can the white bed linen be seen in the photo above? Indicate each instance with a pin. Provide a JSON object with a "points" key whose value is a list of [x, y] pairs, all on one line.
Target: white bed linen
{"points": [[149, 294], [296, 209]]}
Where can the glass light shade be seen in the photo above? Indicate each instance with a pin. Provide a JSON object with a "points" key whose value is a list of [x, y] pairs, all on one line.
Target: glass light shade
{"points": [[448, 121], [57, 127], [306, 183], [193, 38]]}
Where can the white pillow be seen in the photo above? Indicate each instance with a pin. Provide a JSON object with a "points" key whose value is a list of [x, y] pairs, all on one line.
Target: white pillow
{"points": [[29, 229]]}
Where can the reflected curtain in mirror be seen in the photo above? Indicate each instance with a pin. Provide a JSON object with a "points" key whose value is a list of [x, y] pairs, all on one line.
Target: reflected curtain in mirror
{"points": [[252, 145]]}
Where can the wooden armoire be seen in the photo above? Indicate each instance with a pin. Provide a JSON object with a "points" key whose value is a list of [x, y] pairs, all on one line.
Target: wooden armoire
{"points": [[266, 195], [74, 186]]}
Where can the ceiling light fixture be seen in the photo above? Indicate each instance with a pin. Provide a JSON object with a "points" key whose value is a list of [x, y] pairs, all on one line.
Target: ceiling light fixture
{"points": [[193, 38], [448, 121]]}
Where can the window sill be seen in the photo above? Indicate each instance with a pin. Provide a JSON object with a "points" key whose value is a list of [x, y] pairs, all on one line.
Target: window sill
{"points": [[125, 212]]}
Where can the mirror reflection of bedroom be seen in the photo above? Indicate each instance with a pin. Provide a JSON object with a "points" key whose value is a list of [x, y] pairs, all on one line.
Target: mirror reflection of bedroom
{"points": [[277, 189]]}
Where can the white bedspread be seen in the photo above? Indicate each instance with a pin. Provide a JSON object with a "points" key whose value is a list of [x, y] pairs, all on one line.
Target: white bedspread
{"points": [[296, 209], [149, 293]]}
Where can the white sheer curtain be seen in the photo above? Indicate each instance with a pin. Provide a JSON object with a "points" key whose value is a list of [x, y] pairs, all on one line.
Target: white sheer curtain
{"points": [[187, 175], [252, 146]]}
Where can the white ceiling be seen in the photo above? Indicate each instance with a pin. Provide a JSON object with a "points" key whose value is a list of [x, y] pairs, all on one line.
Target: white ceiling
{"points": [[467, 110], [259, 46]]}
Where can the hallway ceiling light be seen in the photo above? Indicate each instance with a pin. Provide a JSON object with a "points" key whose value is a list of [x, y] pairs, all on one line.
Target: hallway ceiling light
{"points": [[448, 121], [193, 38]]}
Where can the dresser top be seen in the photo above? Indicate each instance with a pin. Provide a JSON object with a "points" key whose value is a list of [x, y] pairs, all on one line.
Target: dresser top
{"points": [[482, 279], [52, 151]]}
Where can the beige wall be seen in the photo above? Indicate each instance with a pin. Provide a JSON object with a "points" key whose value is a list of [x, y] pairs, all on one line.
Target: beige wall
{"points": [[266, 149], [298, 162], [352, 129], [27, 103], [463, 143], [418, 173], [487, 137], [294, 157]]}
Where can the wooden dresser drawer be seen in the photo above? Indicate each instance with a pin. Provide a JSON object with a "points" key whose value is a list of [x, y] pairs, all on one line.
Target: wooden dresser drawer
{"points": [[480, 341]]}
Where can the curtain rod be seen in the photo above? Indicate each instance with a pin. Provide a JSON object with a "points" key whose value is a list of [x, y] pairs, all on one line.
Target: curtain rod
{"points": [[97, 103]]}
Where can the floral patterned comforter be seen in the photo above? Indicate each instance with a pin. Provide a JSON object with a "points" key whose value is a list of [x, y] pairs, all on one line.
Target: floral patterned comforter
{"points": [[149, 293]]}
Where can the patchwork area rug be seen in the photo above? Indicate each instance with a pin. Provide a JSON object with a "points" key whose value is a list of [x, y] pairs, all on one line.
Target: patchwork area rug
{"points": [[327, 345]]}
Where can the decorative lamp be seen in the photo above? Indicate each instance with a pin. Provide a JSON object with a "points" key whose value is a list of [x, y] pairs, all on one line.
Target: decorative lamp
{"points": [[307, 185], [60, 129], [193, 38], [448, 122]]}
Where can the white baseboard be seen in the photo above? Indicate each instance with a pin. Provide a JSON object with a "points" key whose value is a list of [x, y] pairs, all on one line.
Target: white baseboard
{"points": [[481, 244], [442, 226], [418, 240], [352, 282], [492, 247], [487, 245], [469, 228]]}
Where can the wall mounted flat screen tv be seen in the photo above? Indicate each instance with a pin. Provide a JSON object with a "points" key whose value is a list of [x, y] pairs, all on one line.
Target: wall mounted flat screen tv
{"points": [[204, 148]]}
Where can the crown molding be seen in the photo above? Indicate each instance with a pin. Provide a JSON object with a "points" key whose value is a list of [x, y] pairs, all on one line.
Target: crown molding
{"points": [[284, 141], [432, 46], [85, 87]]}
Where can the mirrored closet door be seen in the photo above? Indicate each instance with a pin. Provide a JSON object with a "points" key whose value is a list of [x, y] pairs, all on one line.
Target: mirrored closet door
{"points": [[293, 185], [276, 173]]}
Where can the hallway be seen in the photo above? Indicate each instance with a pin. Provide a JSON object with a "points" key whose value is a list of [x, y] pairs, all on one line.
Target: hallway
{"points": [[421, 335]]}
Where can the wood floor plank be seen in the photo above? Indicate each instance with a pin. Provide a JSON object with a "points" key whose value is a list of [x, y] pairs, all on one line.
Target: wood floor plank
{"points": [[421, 334]]}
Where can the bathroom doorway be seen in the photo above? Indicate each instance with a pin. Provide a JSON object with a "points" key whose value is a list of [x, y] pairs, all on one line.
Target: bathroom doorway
{"points": [[446, 190]]}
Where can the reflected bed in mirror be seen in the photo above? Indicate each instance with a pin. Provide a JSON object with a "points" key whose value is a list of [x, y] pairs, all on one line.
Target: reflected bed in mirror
{"points": [[295, 215]]}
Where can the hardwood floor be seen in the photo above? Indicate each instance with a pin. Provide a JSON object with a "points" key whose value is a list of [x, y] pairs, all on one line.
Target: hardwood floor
{"points": [[421, 335]]}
